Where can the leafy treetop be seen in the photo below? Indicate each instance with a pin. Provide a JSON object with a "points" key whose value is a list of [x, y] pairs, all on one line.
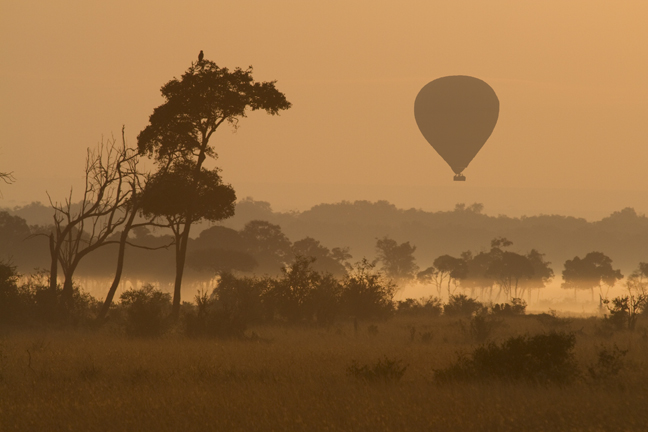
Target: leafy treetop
{"points": [[198, 103]]}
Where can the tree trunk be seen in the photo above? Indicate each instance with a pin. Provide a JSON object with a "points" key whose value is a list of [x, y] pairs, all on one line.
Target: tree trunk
{"points": [[68, 292], [120, 267], [181, 253], [53, 265]]}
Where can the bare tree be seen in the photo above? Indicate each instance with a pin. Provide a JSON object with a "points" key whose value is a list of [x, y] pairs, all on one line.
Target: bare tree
{"points": [[110, 183]]}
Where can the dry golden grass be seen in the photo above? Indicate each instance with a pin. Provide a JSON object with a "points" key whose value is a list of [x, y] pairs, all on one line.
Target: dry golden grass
{"points": [[295, 379]]}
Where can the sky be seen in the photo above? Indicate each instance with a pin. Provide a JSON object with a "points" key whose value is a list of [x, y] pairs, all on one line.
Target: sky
{"points": [[570, 77]]}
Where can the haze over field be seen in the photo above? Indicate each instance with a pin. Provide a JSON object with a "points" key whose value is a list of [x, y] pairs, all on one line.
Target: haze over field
{"points": [[570, 77]]}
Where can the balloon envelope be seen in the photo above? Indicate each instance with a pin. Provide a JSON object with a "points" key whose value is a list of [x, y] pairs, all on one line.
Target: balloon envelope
{"points": [[456, 115]]}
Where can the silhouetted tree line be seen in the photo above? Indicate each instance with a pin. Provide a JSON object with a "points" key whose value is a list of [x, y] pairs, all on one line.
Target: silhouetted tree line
{"points": [[623, 235]]}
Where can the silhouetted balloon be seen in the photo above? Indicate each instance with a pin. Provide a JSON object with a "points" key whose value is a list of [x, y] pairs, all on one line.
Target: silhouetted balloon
{"points": [[456, 115]]}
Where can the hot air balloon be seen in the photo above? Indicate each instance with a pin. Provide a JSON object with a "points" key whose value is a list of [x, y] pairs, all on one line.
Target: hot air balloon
{"points": [[456, 115]]}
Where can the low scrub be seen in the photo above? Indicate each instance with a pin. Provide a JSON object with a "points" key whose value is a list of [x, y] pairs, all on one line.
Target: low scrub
{"points": [[385, 369], [426, 306], [517, 306], [145, 311], [461, 305], [541, 358]]}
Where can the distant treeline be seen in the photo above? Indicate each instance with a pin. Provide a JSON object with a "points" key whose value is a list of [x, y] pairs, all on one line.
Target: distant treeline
{"points": [[335, 234]]}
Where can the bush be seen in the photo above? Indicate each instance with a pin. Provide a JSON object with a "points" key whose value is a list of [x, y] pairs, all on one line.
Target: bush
{"points": [[481, 327], [516, 307], [461, 304], [234, 304], [625, 311], [609, 363], [13, 304], [145, 310], [33, 302], [383, 370], [305, 295], [541, 358], [366, 294], [430, 306]]}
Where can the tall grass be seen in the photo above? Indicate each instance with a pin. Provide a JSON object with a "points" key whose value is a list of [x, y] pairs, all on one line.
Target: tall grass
{"points": [[296, 378]]}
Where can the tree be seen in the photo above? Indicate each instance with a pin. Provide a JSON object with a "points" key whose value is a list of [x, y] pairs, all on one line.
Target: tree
{"points": [[326, 261], [8, 178], [445, 268], [179, 132], [542, 273], [595, 270], [268, 245], [477, 272], [625, 310], [82, 228], [366, 293], [183, 196], [398, 261], [508, 269]]}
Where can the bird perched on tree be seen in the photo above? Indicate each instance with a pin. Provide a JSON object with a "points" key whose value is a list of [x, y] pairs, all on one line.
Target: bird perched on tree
{"points": [[200, 56]]}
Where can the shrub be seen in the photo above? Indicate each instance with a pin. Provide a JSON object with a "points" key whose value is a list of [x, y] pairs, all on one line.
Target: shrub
{"points": [[552, 321], [461, 304], [541, 358], [516, 307], [430, 306], [145, 310], [625, 311], [385, 369], [33, 302], [609, 363], [234, 304], [366, 294], [305, 295], [480, 327], [13, 305]]}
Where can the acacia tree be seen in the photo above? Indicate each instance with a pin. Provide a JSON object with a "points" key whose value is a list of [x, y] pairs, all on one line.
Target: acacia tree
{"points": [[593, 271], [508, 269], [179, 132], [445, 268], [542, 272], [398, 261]]}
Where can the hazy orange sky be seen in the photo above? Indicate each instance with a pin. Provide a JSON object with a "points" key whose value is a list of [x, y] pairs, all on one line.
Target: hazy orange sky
{"points": [[570, 77]]}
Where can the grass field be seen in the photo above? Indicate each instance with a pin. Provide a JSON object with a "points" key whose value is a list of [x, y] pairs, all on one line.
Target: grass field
{"points": [[295, 379]]}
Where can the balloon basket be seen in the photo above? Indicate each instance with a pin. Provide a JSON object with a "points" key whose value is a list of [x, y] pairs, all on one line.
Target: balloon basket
{"points": [[459, 177]]}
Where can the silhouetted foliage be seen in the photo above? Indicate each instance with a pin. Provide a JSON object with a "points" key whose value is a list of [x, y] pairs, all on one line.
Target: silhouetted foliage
{"points": [[448, 268], [461, 304], [542, 273], [291, 294], [543, 358], [480, 327], [609, 362], [220, 260], [145, 309], [625, 310], [427, 306], [268, 245], [517, 306], [385, 369], [398, 260], [326, 261], [367, 294], [13, 303], [593, 271]]}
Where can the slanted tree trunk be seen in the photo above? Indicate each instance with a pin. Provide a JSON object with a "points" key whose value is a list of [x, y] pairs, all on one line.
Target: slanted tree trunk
{"points": [[120, 267]]}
